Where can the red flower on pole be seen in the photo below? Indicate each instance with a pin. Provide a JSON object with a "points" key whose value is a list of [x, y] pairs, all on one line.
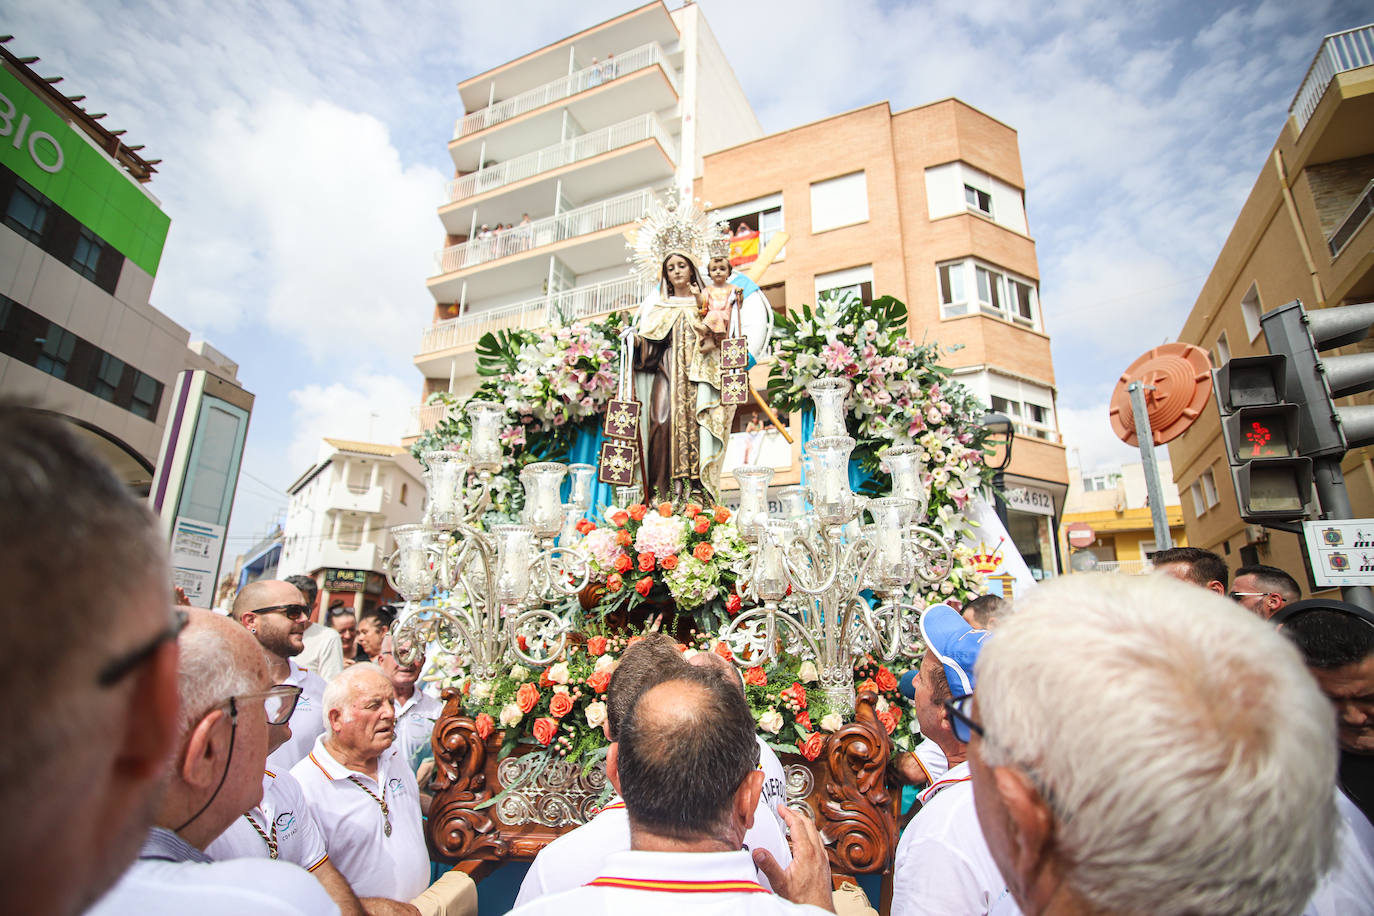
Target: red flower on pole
{"points": [[544, 730], [483, 725]]}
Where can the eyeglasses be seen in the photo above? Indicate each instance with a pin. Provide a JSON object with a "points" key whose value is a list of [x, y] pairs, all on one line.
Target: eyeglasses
{"points": [[292, 612], [121, 667], [1236, 596], [958, 708], [279, 702]]}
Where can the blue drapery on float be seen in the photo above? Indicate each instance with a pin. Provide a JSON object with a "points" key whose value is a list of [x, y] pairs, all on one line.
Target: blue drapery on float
{"points": [[857, 476], [586, 449]]}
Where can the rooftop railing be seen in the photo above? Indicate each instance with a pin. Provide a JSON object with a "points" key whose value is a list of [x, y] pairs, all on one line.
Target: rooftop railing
{"points": [[641, 127], [615, 211], [1339, 52], [567, 305], [566, 87]]}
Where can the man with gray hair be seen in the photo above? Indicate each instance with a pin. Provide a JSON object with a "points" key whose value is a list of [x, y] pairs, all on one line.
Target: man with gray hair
{"points": [[362, 791], [227, 703], [1173, 756], [90, 683]]}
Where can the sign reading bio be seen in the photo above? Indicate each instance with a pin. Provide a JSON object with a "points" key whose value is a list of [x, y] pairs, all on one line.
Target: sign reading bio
{"points": [[43, 147]]}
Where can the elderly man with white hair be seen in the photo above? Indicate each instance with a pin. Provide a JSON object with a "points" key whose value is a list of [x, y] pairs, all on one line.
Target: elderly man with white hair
{"points": [[362, 791], [1140, 746]]}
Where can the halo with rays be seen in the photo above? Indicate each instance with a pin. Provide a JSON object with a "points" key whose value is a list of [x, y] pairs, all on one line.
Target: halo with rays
{"points": [[667, 228]]}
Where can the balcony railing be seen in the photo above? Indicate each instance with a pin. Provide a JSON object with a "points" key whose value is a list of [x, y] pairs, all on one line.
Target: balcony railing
{"points": [[1340, 51], [1359, 213], [565, 87], [568, 305], [642, 127], [1129, 567], [424, 417], [615, 211]]}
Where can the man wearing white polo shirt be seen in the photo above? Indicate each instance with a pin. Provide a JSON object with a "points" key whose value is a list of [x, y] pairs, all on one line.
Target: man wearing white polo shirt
{"points": [[687, 763], [276, 614], [416, 711], [362, 791], [942, 864], [227, 702]]}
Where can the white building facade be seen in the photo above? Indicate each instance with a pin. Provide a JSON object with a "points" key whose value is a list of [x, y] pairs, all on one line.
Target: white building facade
{"points": [[564, 147]]}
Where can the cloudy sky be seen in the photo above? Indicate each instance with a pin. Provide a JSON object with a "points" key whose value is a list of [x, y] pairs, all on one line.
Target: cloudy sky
{"points": [[303, 149]]}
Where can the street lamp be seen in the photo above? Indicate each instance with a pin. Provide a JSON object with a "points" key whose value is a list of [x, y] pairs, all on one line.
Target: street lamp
{"points": [[1001, 435]]}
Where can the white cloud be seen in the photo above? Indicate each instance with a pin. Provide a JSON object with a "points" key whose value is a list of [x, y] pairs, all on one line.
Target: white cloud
{"points": [[365, 408]]}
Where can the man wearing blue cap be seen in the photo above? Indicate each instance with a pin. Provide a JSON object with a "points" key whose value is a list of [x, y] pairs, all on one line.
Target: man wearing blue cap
{"points": [[943, 864]]}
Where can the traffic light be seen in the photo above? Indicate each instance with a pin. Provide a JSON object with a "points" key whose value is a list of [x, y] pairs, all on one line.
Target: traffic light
{"points": [[1315, 381], [1261, 432]]}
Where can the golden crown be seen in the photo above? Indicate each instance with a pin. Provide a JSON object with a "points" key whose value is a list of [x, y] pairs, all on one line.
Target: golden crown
{"points": [[672, 228]]}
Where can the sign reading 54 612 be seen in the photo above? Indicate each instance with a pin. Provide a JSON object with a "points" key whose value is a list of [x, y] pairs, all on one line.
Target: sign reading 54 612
{"points": [[43, 147]]}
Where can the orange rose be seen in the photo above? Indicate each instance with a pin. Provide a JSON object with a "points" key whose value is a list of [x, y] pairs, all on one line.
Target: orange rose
{"points": [[527, 697], [544, 680], [701, 525], [703, 552], [797, 693], [733, 604], [632, 640], [585, 526], [804, 720], [599, 680], [755, 676], [888, 719], [614, 583], [668, 562], [622, 537], [867, 684], [546, 728], [665, 509], [623, 564], [483, 725], [620, 518], [810, 748], [690, 510], [723, 651], [885, 679], [722, 514], [596, 645], [637, 511], [644, 586], [646, 561], [560, 704]]}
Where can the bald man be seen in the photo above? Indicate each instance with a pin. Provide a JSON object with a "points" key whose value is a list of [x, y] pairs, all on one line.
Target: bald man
{"points": [[227, 701], [276, 614]]}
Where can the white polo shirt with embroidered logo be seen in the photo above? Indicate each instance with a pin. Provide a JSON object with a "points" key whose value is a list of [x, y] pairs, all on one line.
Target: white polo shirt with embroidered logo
{"points": [[670, 882], [282, 816], [376, 864], [307, 719]]}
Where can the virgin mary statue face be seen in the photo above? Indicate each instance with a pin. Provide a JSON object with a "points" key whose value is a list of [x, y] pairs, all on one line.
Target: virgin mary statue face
{"points": [[678, 270]]}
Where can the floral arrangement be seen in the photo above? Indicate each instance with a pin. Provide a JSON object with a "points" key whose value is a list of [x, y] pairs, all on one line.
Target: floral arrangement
{"points": [[562, 708], [901, 395], [688, 555]]}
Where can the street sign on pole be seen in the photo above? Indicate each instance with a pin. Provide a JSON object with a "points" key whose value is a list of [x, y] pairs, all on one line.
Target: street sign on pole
{"points": [[1341, 551]]}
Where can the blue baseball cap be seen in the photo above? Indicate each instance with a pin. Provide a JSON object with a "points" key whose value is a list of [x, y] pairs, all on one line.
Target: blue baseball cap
{"points": [[956, 644]]}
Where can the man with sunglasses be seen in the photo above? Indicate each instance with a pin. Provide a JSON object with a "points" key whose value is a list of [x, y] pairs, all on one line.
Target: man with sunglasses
{"points": [[276, 614], [942, 864], [1264, 590], [91, 690], [216, 776]]}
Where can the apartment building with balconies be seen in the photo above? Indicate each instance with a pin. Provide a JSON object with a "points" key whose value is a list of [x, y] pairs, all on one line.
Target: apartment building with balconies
{"points": [[339, 517], [1305, 232], [927, 205], [564, 147]]}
